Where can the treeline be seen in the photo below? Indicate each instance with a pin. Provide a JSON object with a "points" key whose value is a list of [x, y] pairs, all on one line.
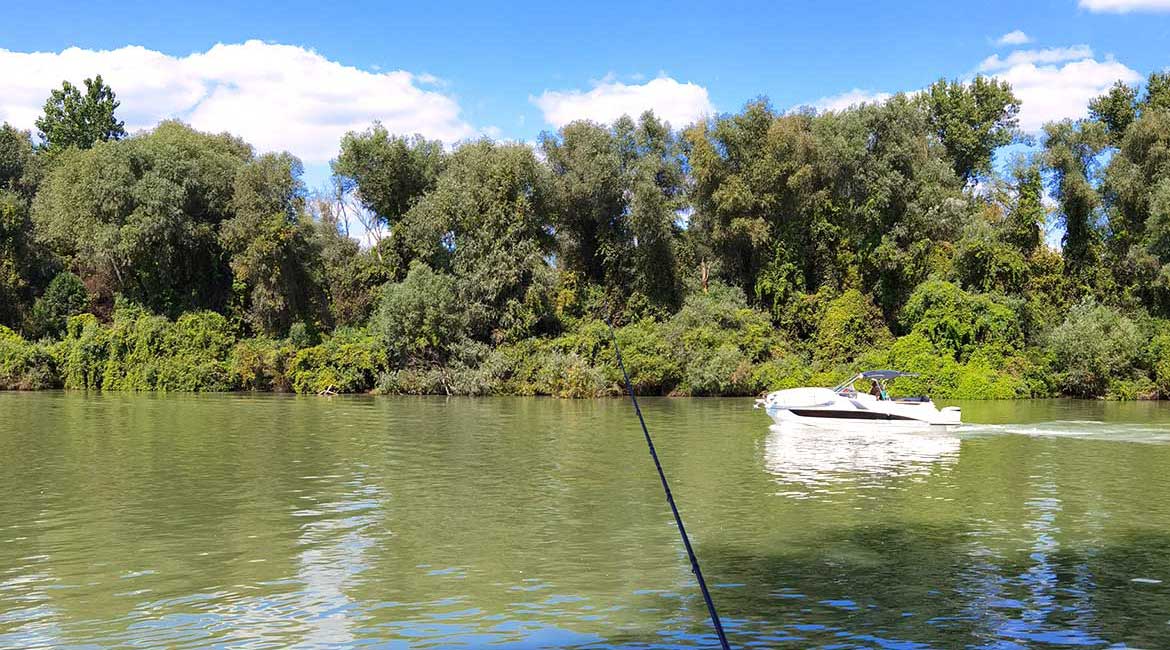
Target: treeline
{"points": [[756, 250]]}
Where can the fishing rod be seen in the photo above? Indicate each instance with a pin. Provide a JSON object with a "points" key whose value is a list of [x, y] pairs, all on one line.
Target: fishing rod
{"points": [[682, 531]]}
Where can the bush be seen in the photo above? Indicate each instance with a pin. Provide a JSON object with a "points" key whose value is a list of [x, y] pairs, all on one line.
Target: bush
{"points": [[959, 323], [420, 317], [24, 365], [261, 364], [65, 296], [82, 355], [849, 325], [1092, 347], [716, 340], [144, 351], [346, 362]]}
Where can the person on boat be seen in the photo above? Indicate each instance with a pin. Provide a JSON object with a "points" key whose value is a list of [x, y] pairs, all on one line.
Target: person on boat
{"points": [[875, 389]]}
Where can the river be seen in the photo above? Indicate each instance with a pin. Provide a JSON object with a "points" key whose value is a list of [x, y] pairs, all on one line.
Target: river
{"points": [[241, 521]]}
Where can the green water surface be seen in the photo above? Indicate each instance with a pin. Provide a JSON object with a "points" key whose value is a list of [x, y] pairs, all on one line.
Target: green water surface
{"points": [[237, 521]]}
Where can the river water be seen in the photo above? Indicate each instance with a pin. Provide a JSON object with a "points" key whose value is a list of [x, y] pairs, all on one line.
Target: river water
{"points": [[239, 521]]}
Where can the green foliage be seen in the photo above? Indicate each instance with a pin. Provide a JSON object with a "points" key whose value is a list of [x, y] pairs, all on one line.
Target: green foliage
{"points": [[18, 163], [273, 246], [1071, 151], [390, 173], [73, 119], [65, 296], [983, 263], [143, 351], [140, 216], [755, 250], [1027, 215], [850, 324], [958, 323], [615, 193], [24, 365], [972, 120], [1116, 109], [420, 318], [484, 223], [261, 365], [1094, 346], [346, 362]]}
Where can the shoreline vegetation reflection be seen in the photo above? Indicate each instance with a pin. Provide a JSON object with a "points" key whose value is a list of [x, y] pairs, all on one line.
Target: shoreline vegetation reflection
{"points": [[257, 521]]}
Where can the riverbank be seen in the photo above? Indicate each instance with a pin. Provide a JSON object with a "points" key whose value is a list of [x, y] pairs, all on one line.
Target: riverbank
{"points": [[714, 346]]}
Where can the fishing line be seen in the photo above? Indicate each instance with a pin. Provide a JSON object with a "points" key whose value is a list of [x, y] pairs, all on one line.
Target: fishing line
{"points": [[682, 531]]}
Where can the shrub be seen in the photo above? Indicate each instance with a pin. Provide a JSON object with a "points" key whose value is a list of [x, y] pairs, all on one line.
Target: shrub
{"points": [[1094, 345], [83, 353], [849, 325], [24, 365], [420, 316], [65, 296], [144, 351], [260, 364], [958, 323], [345, 362]]}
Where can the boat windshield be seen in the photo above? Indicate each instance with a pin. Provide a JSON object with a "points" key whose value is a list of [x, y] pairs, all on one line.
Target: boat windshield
{"points": [[879, 379]]}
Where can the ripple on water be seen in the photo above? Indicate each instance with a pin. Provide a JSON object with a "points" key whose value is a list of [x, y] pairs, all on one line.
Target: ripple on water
{"points": [[255, 522]]}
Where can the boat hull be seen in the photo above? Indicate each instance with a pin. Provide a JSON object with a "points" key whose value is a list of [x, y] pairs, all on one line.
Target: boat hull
{"points": [[852, 418]]}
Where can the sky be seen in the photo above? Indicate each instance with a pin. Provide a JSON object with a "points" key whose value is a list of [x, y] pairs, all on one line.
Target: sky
{"points": [[297, 75]]}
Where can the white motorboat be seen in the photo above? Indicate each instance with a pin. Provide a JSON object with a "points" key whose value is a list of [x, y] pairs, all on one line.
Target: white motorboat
{"points": [[847, 405]]}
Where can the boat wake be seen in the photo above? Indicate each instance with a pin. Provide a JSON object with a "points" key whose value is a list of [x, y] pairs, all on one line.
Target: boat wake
{"points": [[1086, 429]]}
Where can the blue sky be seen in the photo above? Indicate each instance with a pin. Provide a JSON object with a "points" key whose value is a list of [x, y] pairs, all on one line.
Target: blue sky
{"points": [[514, 70]]}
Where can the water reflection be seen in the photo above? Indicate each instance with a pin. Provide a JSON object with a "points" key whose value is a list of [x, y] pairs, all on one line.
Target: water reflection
{"points": [[821, 457], [182, 522]]}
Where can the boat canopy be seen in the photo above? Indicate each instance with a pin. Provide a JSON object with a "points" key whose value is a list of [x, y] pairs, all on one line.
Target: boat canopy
{"points": [[885, 374]]}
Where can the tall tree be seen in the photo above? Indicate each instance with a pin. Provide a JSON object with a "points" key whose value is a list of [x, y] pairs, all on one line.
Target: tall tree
{"points": [[140, 216], [656, 181], [388, 172], [588, 192], [1071, 150], [1026, 215], [1116, 109], [972, 120], [74, 119], [487, 224], [274, 253]]}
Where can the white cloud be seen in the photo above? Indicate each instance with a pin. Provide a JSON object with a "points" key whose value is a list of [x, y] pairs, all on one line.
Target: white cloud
{"points": [[1015, 37], [1124, 6], [677, 103], [845, 100], [1055, 92], [277, 97], [1052, 84], [1047, 55]]}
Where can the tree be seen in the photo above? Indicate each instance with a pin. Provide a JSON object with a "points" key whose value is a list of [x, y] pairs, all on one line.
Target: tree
{"points": [[1116, 109], [388, 172], [1070, 150], [616, 194], [73, 119], [487, 224], [275, 257], [140, 216], [1027, 214], [422, 317], [972, 120], [588, 192], [16, 160]]}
